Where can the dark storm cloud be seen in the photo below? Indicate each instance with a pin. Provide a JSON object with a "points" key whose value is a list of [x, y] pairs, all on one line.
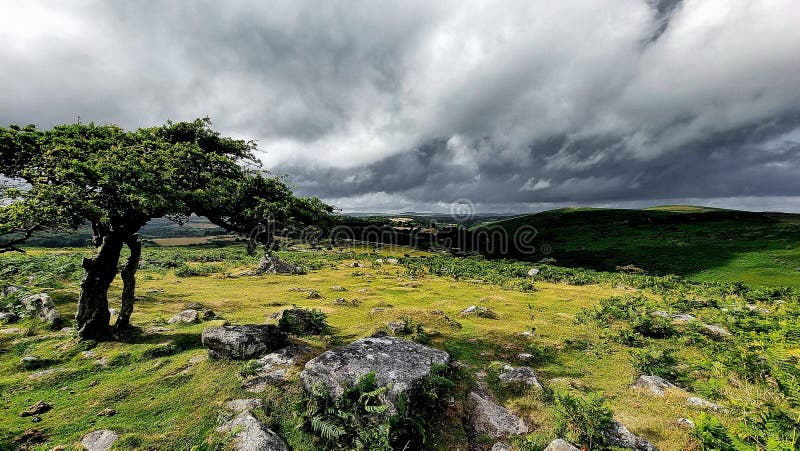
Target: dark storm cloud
{"points": [[375, 105]]}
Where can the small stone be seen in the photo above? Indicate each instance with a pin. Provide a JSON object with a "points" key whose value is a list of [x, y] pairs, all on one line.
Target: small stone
{"points": [[312, 294], [702, 403], [29, 361], [502, 446], [356, 265], [392, 261], [533, 272], [36, 409], [524, 356], [618, 435], [469, 310], [523, 374], [107, 412], [338, 288], [488, 418], [716, 331], [560, 444], [188, 316], [685, 422], [100, 440], [155, 330], [654, 384], [207, 314], [36, 419], [363, 290], [240, 405]]}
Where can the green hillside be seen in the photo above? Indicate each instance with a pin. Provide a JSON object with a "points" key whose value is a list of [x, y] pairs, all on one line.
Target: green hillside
{"points": [[700, 243]]}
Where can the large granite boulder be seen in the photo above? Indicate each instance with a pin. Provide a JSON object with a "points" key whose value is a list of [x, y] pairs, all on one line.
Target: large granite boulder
{"points": [[618, 435], [398, 363], [518, 376], [243, 342], [484, 417], [273, 367], [41, 306]]}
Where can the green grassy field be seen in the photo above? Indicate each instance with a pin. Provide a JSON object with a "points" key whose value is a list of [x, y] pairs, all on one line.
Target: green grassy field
{"points": [[168, 395], [698, 243]]}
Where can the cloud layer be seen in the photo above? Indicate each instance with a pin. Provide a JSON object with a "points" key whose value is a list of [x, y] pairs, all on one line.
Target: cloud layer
{"points": [[374, 105]]}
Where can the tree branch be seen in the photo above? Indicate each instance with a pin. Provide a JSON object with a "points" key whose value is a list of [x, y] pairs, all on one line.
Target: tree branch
{"points": [[11, 246]]}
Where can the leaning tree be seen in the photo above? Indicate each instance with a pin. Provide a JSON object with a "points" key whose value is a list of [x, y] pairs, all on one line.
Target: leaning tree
{"points": [[118, 180]]}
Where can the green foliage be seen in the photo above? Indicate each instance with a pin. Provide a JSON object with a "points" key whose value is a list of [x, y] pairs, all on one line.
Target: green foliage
{"points": [[583, 420], [300, 321], [711, 435], [196, 270], [658, 361]]}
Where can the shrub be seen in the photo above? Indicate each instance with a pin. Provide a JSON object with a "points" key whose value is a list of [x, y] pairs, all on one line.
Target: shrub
{"points": [[657, 361], [711, 435], [583, 420]]}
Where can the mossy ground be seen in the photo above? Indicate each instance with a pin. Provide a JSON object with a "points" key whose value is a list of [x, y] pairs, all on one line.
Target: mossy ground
{"points": [[174, 401]]}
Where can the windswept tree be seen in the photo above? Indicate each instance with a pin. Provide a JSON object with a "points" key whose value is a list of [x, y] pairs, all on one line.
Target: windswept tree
{"points": [[118, 180]]}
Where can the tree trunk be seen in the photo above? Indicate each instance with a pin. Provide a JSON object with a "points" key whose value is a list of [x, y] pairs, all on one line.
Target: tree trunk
{"points": [[93, 315], [129, 282]]}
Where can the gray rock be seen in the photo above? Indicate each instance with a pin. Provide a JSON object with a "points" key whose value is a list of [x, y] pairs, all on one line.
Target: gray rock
{"points": [[682, 318], [100, 440], [502, 446], [560, 444], [487, 418], [41, 305], [397, 363], [274, 265], [245, 341], [240, 405], [187, 316], [685, 422], [533, 272], [524, 356], [29, 361], [8, 317], [481, 312], [155, 330], [654, 384], [9, 290], [338, 288], [618, 435], [392, 261], [522, 374], [252, 435], [702, 403], [274, 367], [313, 294], [469, 310], [716, 331]]}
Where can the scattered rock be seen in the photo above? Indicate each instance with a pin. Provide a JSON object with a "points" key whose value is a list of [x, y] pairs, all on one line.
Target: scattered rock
{"points": [[155, 330], [533, 272], [245, 341], [654, 384], [30, 362], [240, 405], [207, 314], [682, 318], [356, 265], [397, 363], [252, 435], [487, 418], [300, 321], [343, 301], [338, 288], [9, 290], [363, 290], [67, 330], [502, 446], [702, 403], [618, 435], [41, 305], [560, 444], [100, 440], [313, 294], [36, 409], [107, 412], [395, 326], [481, 312], [11, 331], [524, 356], [377, 310], [274, 367], [392, 261], [716, 331], [36, 419], [188, 316], [194, 306], [273, 265], [685, 422], [522, 374], [8, 317]]}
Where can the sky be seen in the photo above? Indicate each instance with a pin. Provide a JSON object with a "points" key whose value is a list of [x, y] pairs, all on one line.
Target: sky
{"points": [[508, 106]]}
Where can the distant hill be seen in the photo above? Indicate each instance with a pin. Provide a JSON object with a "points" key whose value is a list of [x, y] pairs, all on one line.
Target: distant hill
{"points": [[692, 241]]}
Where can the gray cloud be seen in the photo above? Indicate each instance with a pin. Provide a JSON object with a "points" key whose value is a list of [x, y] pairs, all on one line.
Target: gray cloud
{"points": [[374, 105]]}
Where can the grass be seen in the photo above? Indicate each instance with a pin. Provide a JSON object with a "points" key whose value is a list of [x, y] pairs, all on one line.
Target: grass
{"points": [[164, 401], [698, 243]]}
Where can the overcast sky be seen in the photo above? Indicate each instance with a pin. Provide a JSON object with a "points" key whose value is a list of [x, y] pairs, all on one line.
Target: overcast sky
{"points": [[404, 105]]}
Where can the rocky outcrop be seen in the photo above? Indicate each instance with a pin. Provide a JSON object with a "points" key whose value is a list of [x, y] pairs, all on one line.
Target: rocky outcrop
{"points": [[397, 363], [188, 316], [481, 312], [484, 417], [273, 265], [653, 384], [100, 440], [245, 341], [560, 444], [41, 306], [618, 435]]}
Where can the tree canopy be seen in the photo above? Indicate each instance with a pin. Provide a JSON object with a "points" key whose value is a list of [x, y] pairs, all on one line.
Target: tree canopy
{"points": [[118, 180]]}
